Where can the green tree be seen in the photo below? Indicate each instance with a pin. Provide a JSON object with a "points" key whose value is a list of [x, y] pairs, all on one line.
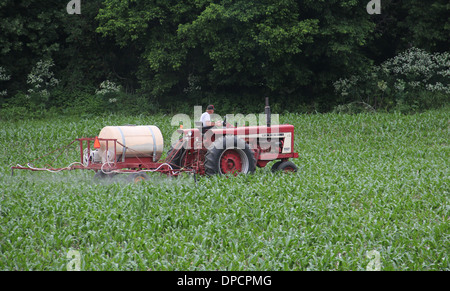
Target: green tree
{"points": [[198, 51], [282, 48], [30, 32], [406, 24], [34, 30], [426, 25]]}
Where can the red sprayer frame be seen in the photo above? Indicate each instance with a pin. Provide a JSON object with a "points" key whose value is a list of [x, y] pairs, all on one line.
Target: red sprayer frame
{"points": [[124, 165]]}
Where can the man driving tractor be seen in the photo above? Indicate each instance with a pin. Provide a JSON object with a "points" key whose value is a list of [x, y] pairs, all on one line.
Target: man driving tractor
{"points": [[206, 118]]}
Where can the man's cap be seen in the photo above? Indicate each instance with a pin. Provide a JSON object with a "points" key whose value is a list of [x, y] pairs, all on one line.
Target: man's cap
{"points": [[210, 107]]}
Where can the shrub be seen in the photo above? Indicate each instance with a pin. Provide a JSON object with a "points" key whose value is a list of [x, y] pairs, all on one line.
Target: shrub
{"points": [[4, 77], [407, 82], [41, 80]]}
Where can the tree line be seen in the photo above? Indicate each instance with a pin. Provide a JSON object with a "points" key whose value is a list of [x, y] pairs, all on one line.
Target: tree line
{"points": [[169, 55]]}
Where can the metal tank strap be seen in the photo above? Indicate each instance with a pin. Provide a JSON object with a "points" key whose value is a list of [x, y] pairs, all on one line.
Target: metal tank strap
{"points": [[124, 143], [154, 144]]}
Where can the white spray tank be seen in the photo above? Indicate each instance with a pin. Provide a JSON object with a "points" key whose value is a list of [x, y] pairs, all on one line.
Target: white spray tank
{"points": [[137, 141]]}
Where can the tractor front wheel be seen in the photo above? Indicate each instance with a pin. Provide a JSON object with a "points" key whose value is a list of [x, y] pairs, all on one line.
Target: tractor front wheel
{"points": [[275, 166], [286, 166], [229, 155]]}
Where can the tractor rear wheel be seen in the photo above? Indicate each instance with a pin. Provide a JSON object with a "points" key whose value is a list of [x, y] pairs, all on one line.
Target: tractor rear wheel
{"points": [[229, 155]]}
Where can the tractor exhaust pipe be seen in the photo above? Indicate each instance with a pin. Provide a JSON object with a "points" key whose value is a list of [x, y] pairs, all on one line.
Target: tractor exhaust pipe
{"points": [[267, 111]]}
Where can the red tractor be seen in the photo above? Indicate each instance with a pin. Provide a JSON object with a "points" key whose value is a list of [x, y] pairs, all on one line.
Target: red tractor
{"points": [[235, 150], [136, 150]]}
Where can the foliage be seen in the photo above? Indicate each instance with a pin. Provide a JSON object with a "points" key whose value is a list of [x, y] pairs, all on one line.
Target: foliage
{"points": [[176, 54], [4, 77], [366, 182], [108, 87], [34, 30], [267, 47], [427, 26], [42, 80], [401, 82]]}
